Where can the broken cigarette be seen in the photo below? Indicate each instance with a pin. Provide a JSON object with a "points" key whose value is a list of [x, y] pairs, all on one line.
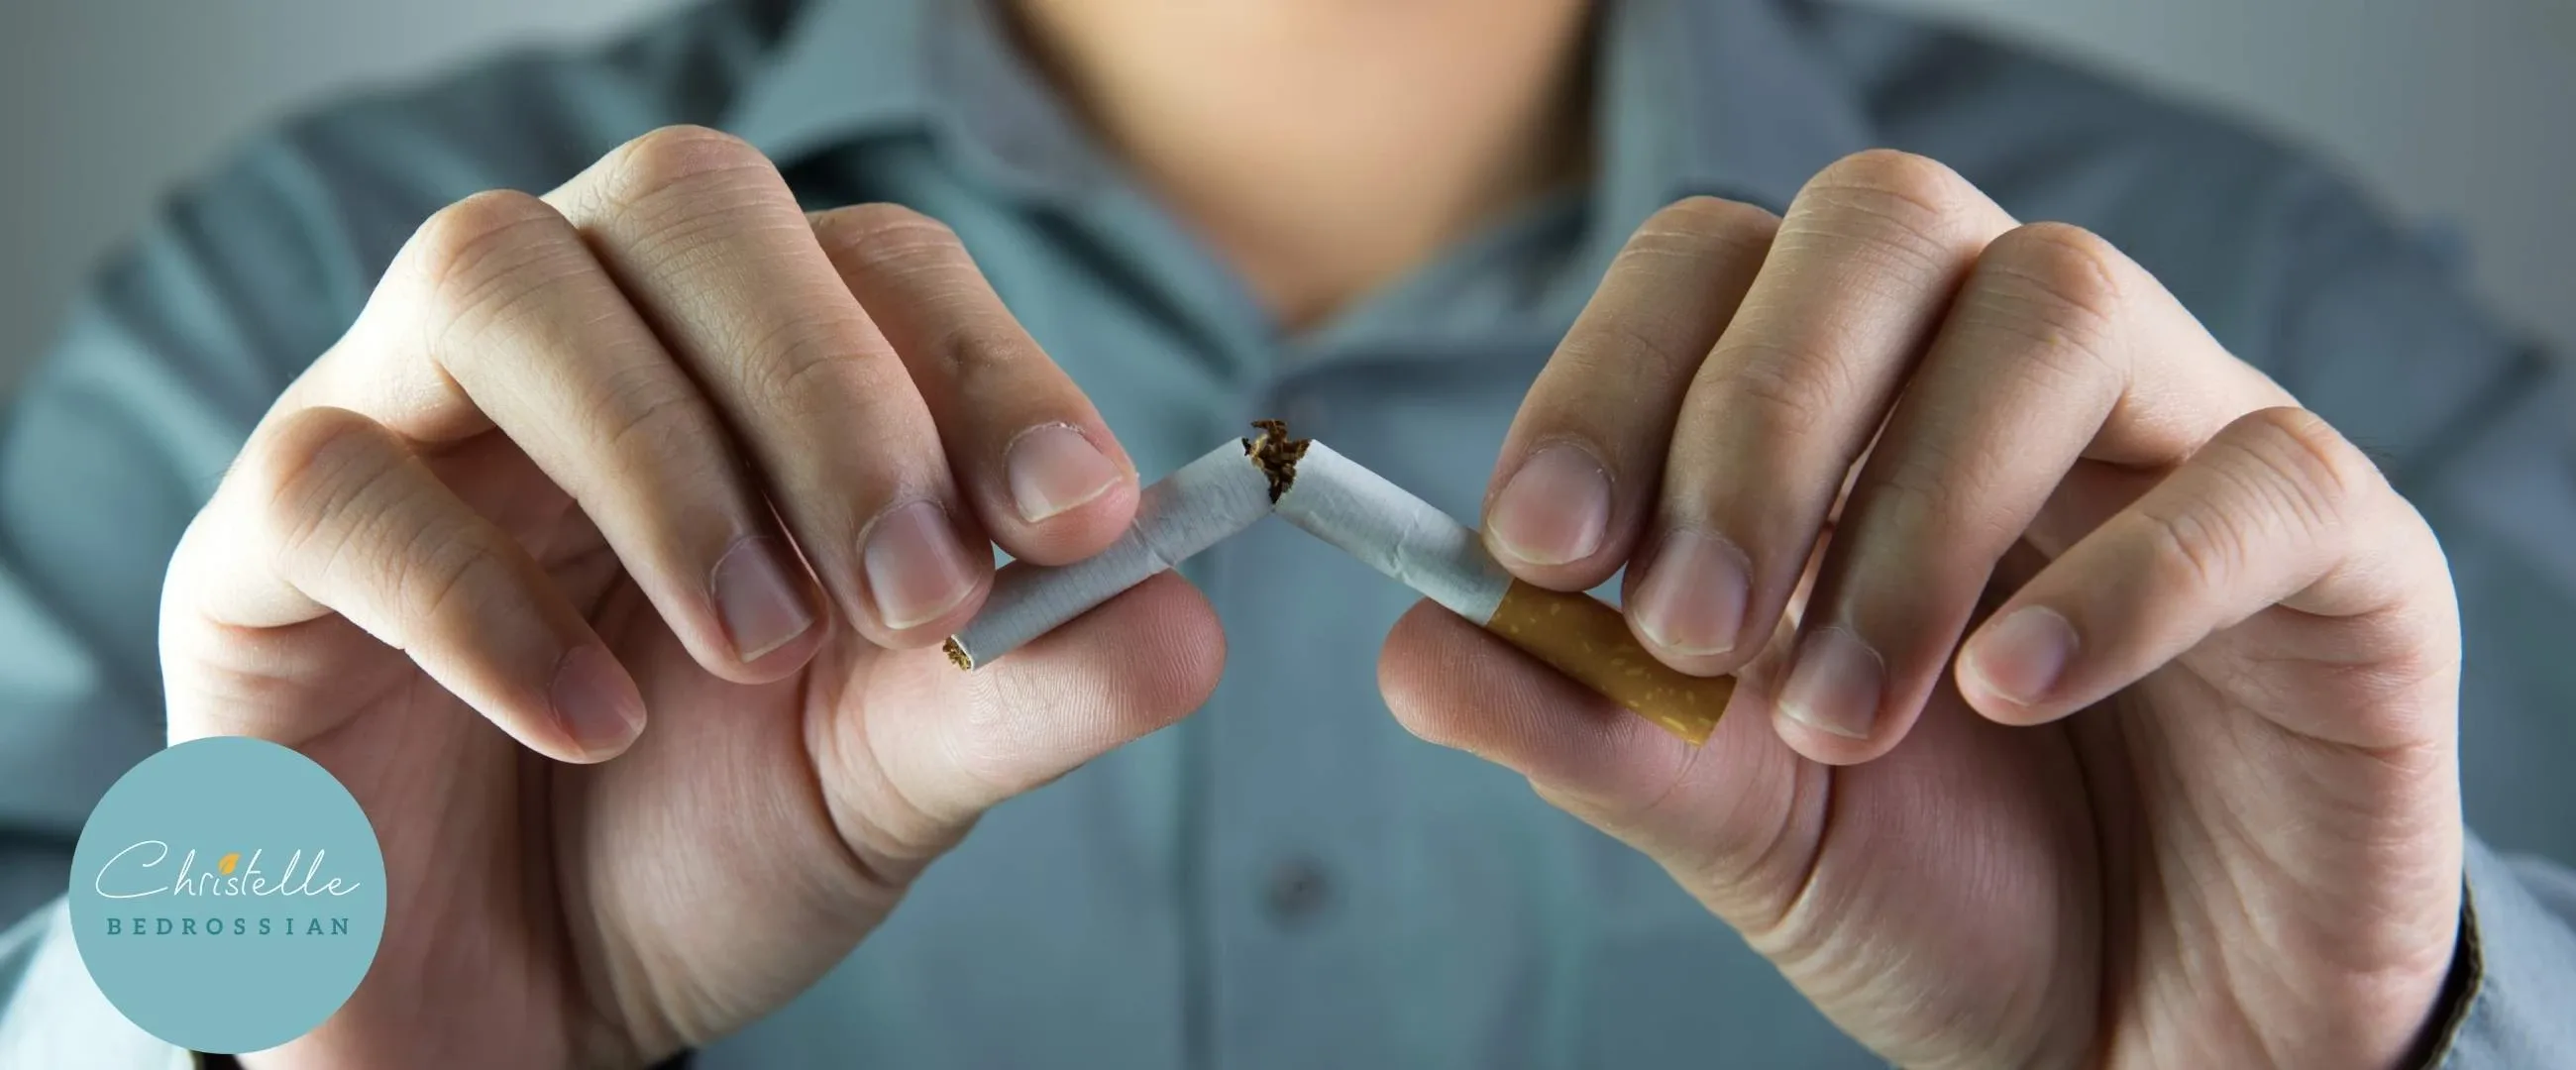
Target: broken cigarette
{"points": [[1411, 541], [1198, 506], [1359, 511]]}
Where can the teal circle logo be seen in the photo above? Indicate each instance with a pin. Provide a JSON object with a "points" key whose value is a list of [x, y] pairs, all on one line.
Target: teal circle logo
{"points": [[227, 895]]}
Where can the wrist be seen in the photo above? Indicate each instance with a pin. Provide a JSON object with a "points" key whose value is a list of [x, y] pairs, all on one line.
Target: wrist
{"points": [[2459, 990]]}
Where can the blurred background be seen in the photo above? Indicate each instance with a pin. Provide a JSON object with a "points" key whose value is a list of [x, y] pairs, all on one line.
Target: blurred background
{"points": [[2456, 112]]}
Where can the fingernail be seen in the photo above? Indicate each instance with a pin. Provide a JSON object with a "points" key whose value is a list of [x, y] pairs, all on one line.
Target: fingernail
{"points": [[916, 570], [593, 700], [1836, 684], [763, 607], [1053, 468], [1555, 509], [1692, 601], [2022, 655]]}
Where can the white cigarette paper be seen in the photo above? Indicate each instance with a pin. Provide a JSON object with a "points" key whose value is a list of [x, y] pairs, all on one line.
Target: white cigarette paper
{"points": [[1394, 532], [1413, 542], [1204, 503]]}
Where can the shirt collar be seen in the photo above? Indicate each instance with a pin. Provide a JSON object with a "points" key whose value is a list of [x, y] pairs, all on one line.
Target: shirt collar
{"points": [[1718, 97], [1721, 97], [845, 69]]}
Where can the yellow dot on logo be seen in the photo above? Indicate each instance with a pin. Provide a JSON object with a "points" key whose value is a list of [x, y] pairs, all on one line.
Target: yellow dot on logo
{"points": [[225, 864]]}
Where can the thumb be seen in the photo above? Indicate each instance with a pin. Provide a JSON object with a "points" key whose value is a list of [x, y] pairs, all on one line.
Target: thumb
{"points": [[1912, 899], [920, 748], [1712, 814]]}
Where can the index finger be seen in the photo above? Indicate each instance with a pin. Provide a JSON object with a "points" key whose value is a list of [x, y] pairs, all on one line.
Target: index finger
{"points": [[707, 241], [1577, 476], [1031, 453]]}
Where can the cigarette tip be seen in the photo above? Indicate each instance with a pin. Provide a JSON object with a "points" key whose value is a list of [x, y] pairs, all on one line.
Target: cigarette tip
{"points": [[957, 654]]}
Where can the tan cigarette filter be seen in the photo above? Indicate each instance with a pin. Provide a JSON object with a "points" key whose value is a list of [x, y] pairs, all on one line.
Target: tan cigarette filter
{"points": [[1586, 639]]}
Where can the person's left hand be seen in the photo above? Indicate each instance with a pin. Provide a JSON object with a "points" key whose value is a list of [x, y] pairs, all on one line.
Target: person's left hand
{"points": [[2188, 797]]}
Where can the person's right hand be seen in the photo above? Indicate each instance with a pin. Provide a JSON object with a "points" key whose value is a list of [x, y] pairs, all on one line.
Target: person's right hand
{"points": [[658, 441]]}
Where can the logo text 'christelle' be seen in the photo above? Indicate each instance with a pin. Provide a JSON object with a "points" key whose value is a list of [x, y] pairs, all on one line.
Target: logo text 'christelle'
{"points": [[128, 875]]}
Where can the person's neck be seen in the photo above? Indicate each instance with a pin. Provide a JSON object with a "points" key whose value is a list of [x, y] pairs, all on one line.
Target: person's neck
{"points": [[1325, 147]]}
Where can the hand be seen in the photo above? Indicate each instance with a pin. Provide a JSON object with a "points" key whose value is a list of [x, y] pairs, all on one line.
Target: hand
{"points": [[573, 464], [2187, 797]]}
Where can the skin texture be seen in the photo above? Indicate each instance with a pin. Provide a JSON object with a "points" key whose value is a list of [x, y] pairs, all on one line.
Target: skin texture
{"points": [[503, 518], [2126, 730]]}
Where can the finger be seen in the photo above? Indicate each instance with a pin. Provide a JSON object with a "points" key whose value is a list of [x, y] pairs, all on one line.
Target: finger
{"points": [[2277, 509], [2057, 348], [1577, 475], [495, 314], [329, 513], [1857, 277], [1049, 481], [917, 762], [1711, 808], [706, 240]]}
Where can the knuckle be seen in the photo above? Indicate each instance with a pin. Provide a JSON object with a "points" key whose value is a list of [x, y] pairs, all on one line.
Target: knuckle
{"points": [[2058, 286], [337, 507], [677, 156], [811, 362], [657, 422], [965, 350], [1916, 191], [673, 202], [311, 466], [449, 581], [2069, 271], [2273, 478], [1780, 393], [887, 237], [2302, 467], [1937, 489], [488, 236], [1618, 354], [678, 189], [486, 259], [1698, 227], [315, 457], [2198, 550], [1890, 213]]}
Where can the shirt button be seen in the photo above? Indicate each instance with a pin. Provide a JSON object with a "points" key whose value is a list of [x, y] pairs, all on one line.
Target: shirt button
{"points": [[1298, 890]]}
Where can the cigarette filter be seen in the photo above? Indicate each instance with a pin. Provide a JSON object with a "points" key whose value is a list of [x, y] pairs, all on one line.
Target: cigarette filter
{"points": [[1196, 507], [1337, 500]]}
